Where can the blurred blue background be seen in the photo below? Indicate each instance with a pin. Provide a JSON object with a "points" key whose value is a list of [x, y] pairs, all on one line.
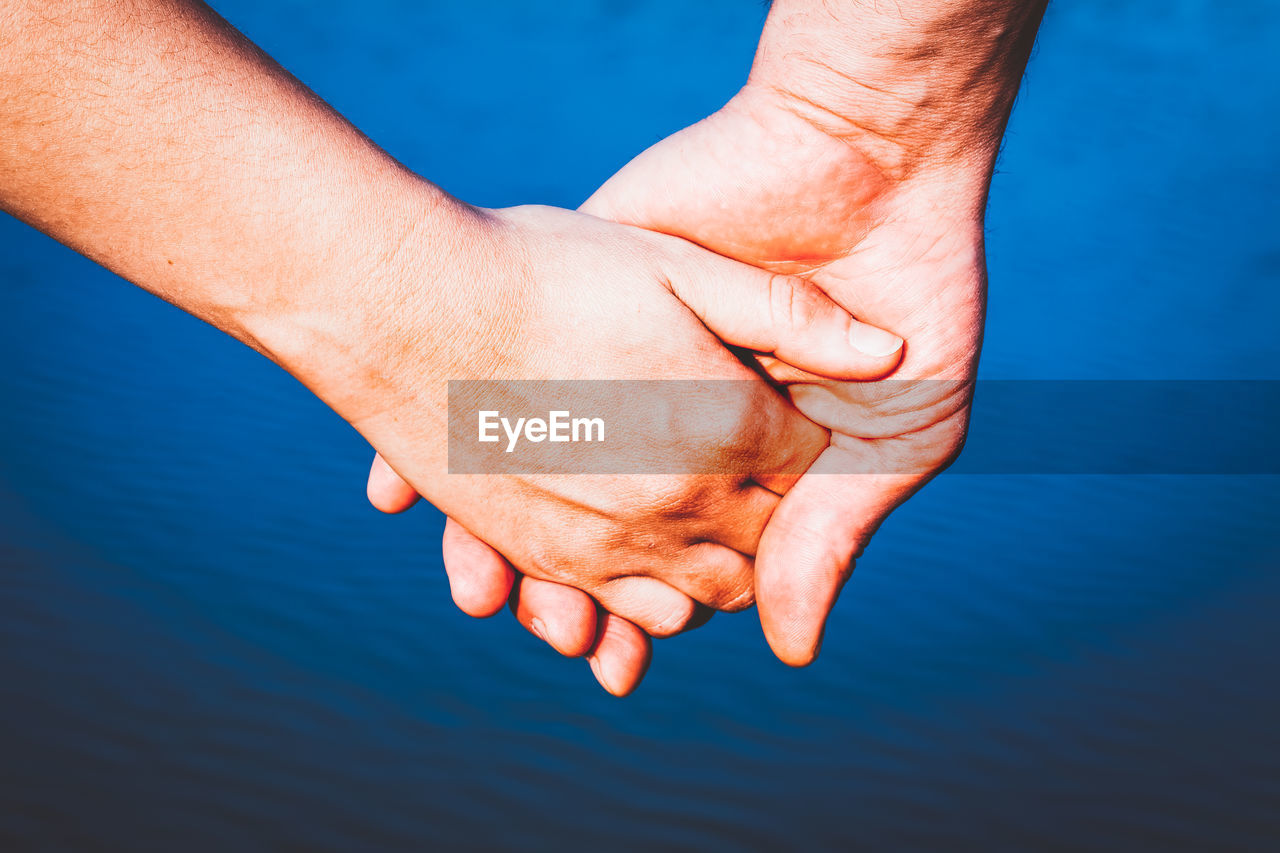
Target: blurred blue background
{"points": [[209, 640]]}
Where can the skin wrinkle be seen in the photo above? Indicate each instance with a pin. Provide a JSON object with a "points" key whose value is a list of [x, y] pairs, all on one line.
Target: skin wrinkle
{"points": [[946, 418], [387, 372], [892, 168], [288, 228], [962, 48], [870, 186], [905, 422], [942, 60]]}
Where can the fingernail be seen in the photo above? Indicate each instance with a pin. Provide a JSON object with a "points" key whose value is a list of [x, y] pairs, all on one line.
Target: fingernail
{"points": [[536, 626], [595, 669], [874, 342]]}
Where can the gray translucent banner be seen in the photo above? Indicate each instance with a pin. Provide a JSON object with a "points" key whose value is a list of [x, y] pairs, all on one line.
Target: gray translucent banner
{"points": [[675, 427]]}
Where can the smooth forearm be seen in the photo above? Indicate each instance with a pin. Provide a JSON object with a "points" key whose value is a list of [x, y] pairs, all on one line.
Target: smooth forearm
{"points": [[916, 82], [156, 140]]}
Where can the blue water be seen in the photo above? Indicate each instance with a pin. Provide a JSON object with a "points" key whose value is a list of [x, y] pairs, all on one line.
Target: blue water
{"points": [[209, 641]]}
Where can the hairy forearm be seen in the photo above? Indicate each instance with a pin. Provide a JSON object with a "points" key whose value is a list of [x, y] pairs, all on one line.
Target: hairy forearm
{"points": [[917, 83], [153, 138]]}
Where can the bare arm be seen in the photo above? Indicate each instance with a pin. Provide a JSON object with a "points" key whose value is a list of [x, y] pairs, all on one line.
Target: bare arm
{"points": [[915, 84], [152, 137]]}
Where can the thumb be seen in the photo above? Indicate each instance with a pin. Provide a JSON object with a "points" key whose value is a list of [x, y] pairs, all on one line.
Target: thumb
{"points": [[807, 551], [789, 317]]}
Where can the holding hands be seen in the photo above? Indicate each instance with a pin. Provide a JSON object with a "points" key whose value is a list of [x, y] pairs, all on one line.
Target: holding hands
{"points": [[566, 296], [850, 162], [829, 212]]}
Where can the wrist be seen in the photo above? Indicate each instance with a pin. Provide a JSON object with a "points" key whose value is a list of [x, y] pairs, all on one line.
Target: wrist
{"points": [[369, 300], [916, 86]]}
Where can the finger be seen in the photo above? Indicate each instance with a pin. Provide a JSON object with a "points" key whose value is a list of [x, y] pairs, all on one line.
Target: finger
{"points": [[929, 411], [620, 655], [655, 607], [387, 492], [559, 615], [789, 317], [743, 534], [480, 578], [718, 577], [807, 551]]}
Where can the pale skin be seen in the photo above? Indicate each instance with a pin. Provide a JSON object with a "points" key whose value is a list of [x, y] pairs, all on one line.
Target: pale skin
{"points": [[153, 138], [858, 156]]}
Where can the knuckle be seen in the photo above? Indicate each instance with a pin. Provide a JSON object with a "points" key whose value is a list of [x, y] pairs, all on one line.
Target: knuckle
{"points": [[721, 584], [742, 429], [637, 542], [796, 303], [782, 300], [740, 600], [721, 425], [547, 559], [674, 620], [658, 611]]}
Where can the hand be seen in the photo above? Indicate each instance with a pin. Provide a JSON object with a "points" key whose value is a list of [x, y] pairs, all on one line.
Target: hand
{"points": [[899, 248], [898, 253], [860, 154], [891, 254], [577, 298], [273, 219], [879, 198]]}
